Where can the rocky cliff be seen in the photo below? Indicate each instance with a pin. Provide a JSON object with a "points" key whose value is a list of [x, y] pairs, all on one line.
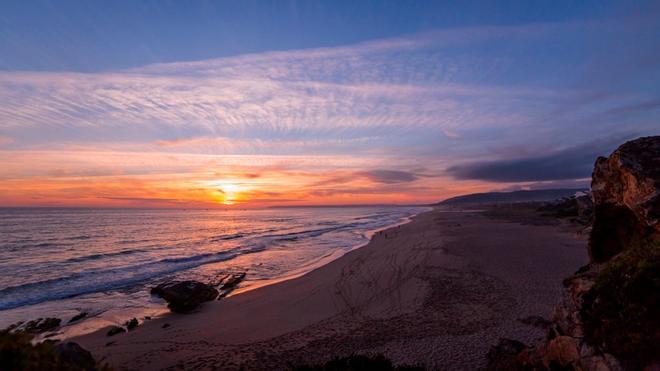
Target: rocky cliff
{"points": [[609, 315], [626, 193]]}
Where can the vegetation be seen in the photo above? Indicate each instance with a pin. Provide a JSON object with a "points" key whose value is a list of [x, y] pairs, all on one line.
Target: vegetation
{"points": [[620, 313], [359, 363], [18, 353]]}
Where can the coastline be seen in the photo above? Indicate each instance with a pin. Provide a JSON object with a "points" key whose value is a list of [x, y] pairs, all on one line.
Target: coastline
{"points": [[324, 260], [423, 291], [116, 305]]}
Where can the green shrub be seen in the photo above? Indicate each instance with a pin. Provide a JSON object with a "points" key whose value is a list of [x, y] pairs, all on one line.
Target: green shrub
{"points": [[620, 313]]}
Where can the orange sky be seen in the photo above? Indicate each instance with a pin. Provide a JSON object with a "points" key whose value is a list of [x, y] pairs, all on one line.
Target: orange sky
{"points": [[152, 179]]}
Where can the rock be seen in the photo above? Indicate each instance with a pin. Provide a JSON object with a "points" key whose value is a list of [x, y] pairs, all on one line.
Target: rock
{"points": [[607, 316], [626, 194], [562, 350], [184, 296], [42, 325], [114, 330], [165, 325], [232, 281], [591, 359], [606, 319], [507, 355], [13, 326], [78, 317], [130, 325], [230, 284], [585, 206], [536, 321], [73, 354]]}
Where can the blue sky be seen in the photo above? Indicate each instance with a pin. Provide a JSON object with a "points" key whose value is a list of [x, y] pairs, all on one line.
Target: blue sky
{"points": [[90, 36], [443, 98]]}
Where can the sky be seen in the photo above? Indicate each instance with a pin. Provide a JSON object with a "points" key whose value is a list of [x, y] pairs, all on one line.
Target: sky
{"points": [[260, 103]]}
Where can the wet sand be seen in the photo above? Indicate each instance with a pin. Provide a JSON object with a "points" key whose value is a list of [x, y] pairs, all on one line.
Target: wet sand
{"points": [[436, 292]]}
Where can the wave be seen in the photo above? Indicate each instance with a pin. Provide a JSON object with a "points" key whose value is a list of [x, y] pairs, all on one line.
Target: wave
{"points": [[81, 259], [77, 238], [46, 244], [109, 279], [227, 237], [345, 233]]}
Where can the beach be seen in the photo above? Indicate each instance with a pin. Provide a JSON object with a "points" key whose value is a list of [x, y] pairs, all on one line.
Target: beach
{"points": [[438, 292]]}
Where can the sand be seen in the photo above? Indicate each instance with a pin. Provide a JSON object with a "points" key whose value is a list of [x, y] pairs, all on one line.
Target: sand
{"points": [[437, 292]]}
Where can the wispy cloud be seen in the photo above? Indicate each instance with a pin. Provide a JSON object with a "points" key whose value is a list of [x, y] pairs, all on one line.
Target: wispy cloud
{"points": [[397, 83], [419, 117]]}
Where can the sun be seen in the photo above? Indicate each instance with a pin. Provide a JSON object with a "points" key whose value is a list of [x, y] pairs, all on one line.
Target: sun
{"points": [[226, 191], [230, 192]]}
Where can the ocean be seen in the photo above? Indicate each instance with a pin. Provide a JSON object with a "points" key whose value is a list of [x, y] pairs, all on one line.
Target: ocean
{"points": [[61, 262]]}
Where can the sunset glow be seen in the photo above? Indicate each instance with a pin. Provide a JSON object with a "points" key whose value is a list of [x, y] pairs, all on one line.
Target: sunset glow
{"points": [[408, 118], [271, 185]]}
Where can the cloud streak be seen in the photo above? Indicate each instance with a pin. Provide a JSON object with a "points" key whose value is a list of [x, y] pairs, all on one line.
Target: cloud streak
{"points": [[420, 117], [570, 163], [389, 176]]}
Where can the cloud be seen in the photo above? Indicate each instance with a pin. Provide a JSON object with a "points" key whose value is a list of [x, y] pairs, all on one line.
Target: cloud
{"points": [[570, 163], [425, 89], [6, 140], [480, 105], [384, 87], [389, 176], [650, 105], [144, 199]]}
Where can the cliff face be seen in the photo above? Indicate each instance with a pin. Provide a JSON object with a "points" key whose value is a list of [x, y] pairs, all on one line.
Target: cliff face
{"points": [[609, 315], [626, 194]]}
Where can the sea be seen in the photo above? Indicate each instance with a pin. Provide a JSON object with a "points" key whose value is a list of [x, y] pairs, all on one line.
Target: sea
{"points": [[60, 262]]}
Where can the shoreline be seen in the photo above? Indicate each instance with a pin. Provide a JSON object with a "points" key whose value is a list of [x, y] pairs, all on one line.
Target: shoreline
{"points": [[417, 292], [326, 259], [96, 321]]}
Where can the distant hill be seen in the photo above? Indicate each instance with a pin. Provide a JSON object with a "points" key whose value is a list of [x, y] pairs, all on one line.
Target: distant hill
{"points": [[515, 196]]}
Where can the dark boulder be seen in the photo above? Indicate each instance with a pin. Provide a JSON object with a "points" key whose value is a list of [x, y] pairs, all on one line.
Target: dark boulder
{"points": [[131, 324], [233, 281], [78, 317], [114, 330], [184, 296], [73, 354], [42, 325], [230, 283]]}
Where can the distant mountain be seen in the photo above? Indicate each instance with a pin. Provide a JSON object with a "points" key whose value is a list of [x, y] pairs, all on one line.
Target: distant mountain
{"points": [[515, 196]]}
